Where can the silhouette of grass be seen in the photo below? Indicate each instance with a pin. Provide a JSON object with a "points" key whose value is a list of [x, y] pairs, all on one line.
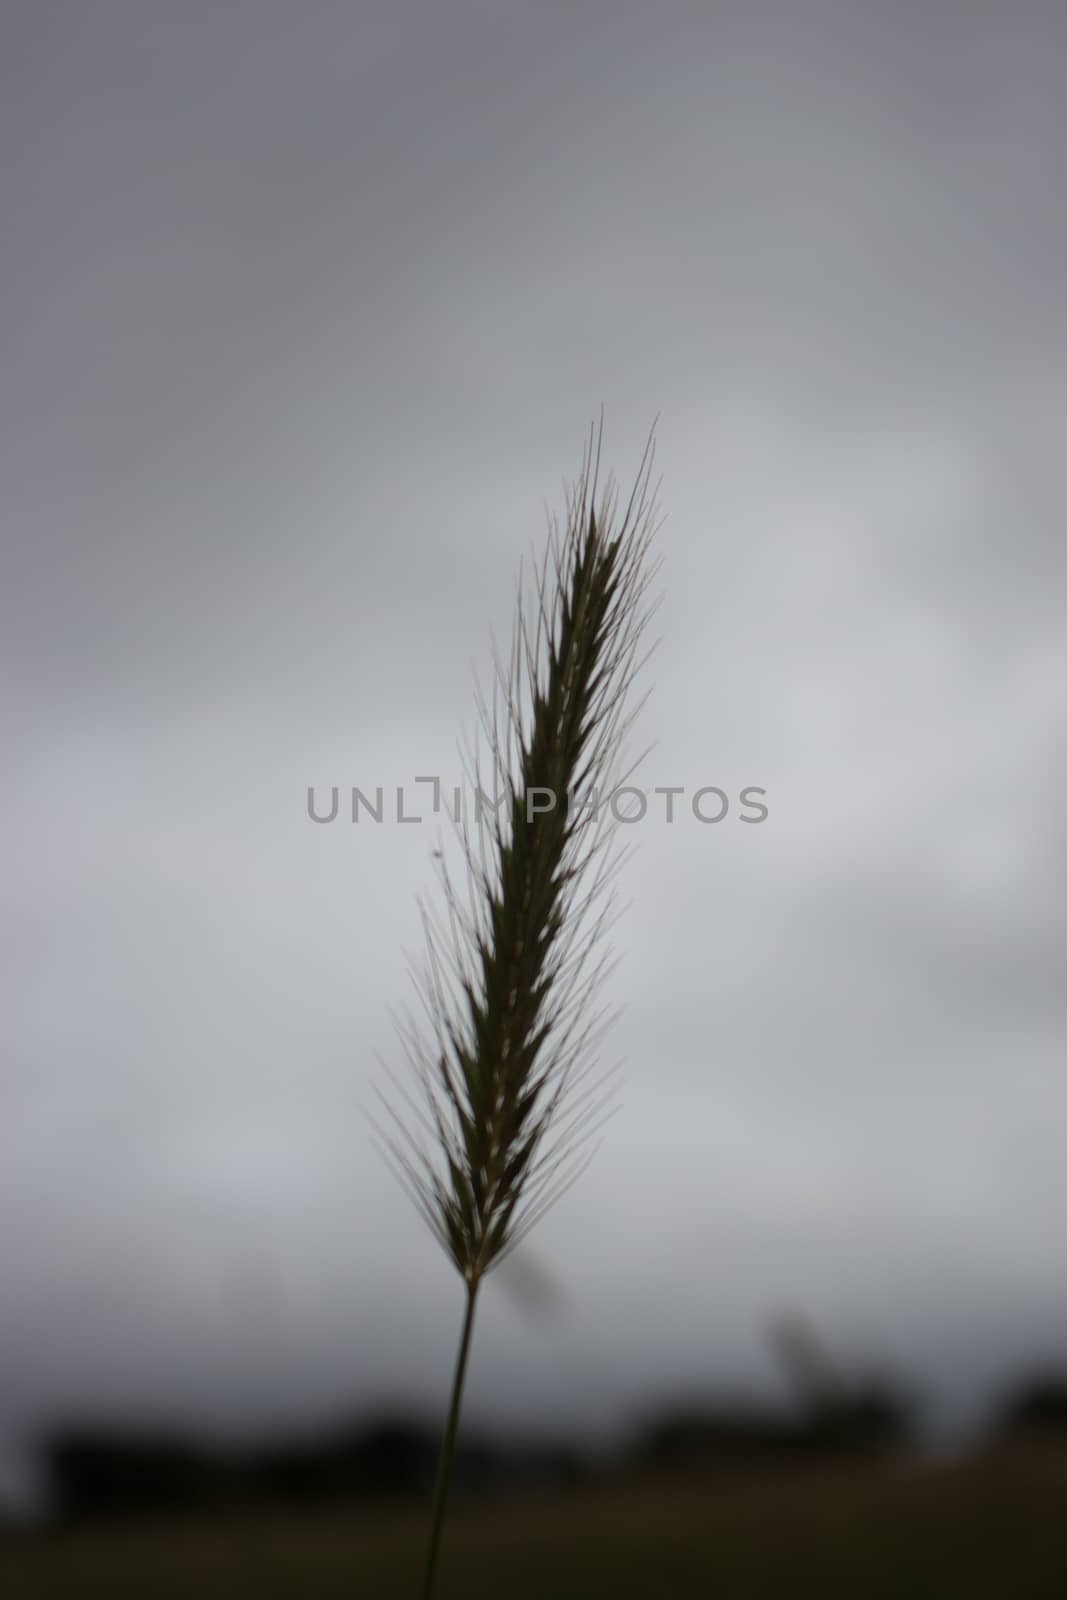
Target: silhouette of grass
{"points": [[505, 1049]]}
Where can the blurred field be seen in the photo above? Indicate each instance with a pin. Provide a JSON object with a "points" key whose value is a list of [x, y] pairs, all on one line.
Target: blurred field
{"points": [[993, 1526]]}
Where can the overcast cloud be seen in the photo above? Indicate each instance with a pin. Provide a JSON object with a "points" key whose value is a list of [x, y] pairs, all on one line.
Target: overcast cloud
{"points": [[305, 313]]}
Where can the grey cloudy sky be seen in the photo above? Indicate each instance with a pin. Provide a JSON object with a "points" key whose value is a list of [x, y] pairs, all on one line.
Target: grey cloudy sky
{"points": [[305, 312]]}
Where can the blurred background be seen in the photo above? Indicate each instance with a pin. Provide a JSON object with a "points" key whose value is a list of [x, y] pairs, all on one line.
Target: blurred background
{"points": [[305, 313]]}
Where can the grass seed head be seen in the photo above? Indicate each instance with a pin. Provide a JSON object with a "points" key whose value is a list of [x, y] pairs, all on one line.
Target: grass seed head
{"points": [[504, 1048]]}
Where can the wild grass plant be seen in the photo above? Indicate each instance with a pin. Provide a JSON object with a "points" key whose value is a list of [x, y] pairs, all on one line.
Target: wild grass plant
{"points": [[504, 1047]]}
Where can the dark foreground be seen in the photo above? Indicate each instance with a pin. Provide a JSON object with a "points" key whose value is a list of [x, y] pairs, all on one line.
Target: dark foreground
{"points": [[994, 1526]]}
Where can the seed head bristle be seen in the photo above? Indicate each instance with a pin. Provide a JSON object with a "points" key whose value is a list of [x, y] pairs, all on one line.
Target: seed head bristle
{"points": [[506, 1053]]}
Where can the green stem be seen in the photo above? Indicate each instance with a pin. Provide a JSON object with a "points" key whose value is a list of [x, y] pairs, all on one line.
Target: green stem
{"points": [[444, 1468]]}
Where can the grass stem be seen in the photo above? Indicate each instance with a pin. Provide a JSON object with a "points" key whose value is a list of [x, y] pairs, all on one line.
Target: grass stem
{"points": [[448, 1445]]}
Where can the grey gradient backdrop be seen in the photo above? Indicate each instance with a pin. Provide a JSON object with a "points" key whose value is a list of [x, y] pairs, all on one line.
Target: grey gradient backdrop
{"points": [[306, 310]]}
